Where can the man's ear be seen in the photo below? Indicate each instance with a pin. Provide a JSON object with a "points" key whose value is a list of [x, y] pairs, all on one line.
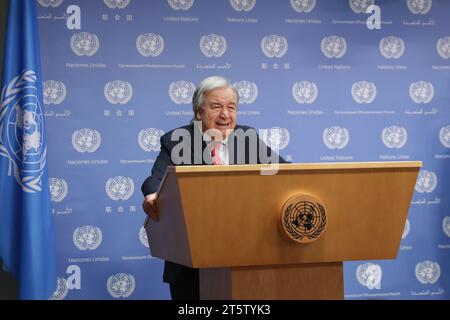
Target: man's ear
{"points": [[198, 115]]}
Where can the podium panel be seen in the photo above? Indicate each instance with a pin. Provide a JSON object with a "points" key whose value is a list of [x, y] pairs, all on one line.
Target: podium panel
{"points": [[226, 221]]}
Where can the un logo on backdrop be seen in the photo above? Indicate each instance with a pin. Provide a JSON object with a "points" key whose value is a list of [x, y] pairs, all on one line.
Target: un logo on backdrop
{"points": [[149, 139], [426, 181], [181, 4], [213, 45], [181, 91], [84, 44], [406, 229], [50, 3], [305, 6], [58, 189], [360, 6], [243, 5], [276, 138], [86, 140], [274, 46], [336, 137], [394, 137], [61, 290], [120, 4], [118, 92], [421, 91], [121, 285], [419, 6], [247, 90], [143, 237], [428, 272], [87, 237], [392, 47], [150, 44], [119, 188], [444, 136], [54, 92], [364, 91], [369, 275], [446, 225], [305, 92], [443, 47], [333, 46]]}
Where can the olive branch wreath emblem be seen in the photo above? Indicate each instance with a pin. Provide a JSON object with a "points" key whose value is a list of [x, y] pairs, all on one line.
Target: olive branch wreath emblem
{"points": [[11, 93], [294, 233]]}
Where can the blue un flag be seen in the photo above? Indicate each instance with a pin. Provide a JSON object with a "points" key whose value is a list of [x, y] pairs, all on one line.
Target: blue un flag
{"points": [[27, 245]]}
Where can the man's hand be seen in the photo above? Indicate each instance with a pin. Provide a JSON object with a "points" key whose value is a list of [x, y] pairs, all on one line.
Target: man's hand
{"points": [[149, 207]]}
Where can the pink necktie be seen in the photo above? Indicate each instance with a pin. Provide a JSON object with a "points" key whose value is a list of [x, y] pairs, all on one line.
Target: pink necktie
{"points": [[215, 150]]}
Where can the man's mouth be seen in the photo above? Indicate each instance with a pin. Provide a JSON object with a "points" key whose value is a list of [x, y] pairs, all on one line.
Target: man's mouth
{"points": [[223, 125]]}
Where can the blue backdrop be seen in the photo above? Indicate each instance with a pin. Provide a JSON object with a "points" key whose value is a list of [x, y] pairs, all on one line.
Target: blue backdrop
{"points": [[313, 77]]}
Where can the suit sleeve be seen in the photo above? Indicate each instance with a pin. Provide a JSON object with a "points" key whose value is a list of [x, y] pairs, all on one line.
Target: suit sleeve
{"points": [[151, 184]]}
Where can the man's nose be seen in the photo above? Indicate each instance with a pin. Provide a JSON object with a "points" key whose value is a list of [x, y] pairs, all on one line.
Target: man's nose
{"points": [[225, 113]]}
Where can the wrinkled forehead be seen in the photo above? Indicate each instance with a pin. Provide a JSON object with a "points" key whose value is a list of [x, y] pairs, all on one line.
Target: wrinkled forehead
{"points": [[223, 94]]}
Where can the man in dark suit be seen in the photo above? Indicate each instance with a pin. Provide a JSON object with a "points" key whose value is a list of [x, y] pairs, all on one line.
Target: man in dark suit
{"points": [[212, 138]]}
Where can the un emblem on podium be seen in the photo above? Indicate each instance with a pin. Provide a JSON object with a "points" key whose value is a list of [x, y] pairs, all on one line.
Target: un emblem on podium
{"points": [[303, 218]]}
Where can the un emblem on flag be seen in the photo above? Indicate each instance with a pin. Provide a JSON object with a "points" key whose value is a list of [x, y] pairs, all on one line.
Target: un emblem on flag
{"points": [[120, 4], [58, 189], [150, 44], [84, 44], [243, 5], [336, 137], [426, 181], [364, 92], [421, 91], [247, 91], [443, 47], [118, 92], [54, 92], [369, 275], [87, 237], [274, 46], [394, 137], [305, 6], [181, 4], [86, 140], [119, 188], [419, 6], [181, 92], [333, 46], [213, 45], [303, 218], [428, 272], [392, 47], [360, 6], [444, 136], [121, 285], [149, 139], [22, 119], [305, 92]]}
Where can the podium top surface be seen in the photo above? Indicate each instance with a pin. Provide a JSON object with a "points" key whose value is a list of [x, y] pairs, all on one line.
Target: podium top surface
{"points": [[297, 166]]}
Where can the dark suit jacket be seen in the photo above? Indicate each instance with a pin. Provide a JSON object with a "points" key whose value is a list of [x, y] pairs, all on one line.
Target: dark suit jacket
{"points": [[151, 184]]}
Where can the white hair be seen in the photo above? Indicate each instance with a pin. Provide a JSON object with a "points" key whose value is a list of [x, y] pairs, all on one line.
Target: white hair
{"points": [[206, 85]]}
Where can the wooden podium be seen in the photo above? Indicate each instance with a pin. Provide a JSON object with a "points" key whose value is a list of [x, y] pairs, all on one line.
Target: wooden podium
{"points": [[226, 220]]}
